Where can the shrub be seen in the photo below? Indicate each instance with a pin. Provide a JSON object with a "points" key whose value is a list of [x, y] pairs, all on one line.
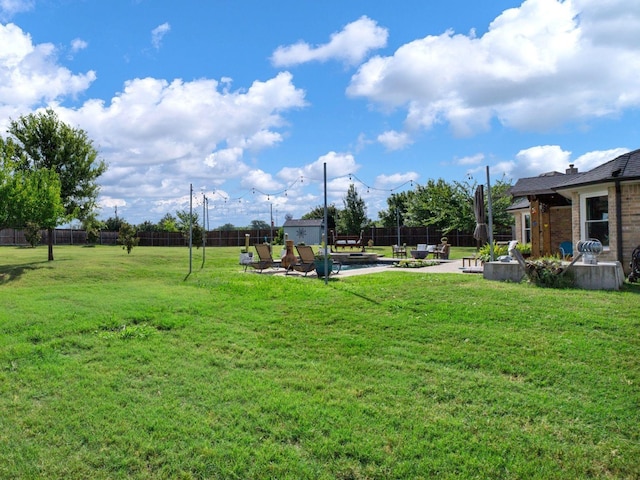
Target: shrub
{"points": [[32, 234], [549, 273]]}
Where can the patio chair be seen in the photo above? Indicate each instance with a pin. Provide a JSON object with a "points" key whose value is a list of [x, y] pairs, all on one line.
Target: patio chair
{"points": [[566, 250], [400, 251], [265, 260], [306, 260], [442, 251]]}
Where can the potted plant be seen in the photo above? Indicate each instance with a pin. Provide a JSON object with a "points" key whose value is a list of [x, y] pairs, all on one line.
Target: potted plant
{"points": [[320, 263]]}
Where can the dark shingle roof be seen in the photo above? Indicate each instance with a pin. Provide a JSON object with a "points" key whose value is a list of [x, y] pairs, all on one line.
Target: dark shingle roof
{"points": [[519, 204], [624, 167], [543, 184]]}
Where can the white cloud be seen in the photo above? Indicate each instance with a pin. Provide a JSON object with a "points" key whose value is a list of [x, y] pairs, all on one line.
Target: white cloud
{"points": [[159, 136], [470, 160], [8, 8], [542, 64], [158, 33], [351, 45], [30, 75], [393, 140], [535, 161], [78, 44]]}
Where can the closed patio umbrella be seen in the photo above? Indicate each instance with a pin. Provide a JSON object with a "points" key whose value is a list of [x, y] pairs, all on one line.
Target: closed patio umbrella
{"points": [[481, 232]]}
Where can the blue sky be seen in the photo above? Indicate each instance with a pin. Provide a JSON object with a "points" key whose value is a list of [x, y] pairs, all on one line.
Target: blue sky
{"points": [[248, 100]]}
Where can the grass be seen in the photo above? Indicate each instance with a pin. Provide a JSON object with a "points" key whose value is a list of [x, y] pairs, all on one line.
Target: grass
{"points": [[117, 366]]}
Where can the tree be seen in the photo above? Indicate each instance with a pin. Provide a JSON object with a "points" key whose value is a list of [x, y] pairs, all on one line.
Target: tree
{"points": [[127, 237], [27, 197], [43, 142], [147, 226], [112, 224], [441, 204], [168, 223], [259, 225], [92, 226], [500, 201], [227, 227], [318, 212], [184, 225], [354, 216], [395, 214]]}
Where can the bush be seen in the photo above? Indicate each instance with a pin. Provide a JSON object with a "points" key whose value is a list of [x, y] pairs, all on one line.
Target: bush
{"points": [[32, 234], [549, 273]]}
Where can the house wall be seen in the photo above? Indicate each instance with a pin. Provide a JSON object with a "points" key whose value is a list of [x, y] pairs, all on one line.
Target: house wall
{"points": [[630, 219], [561, 227], [630, 194]]}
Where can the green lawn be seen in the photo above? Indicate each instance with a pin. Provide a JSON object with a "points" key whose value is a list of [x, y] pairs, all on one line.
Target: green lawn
{"points": [[117, 366]]}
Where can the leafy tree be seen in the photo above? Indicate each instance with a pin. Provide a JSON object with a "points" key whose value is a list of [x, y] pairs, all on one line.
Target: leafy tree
{"points": [[441, 204], [259, 225], [27, 196], [92, 226], [227, 227], [353, 217], [500, 201], [127, 237], [32, 234], [197, 231], [113, 224], [399, 202], [43, 142], [147, 226], [318, 212], [168, 223]]}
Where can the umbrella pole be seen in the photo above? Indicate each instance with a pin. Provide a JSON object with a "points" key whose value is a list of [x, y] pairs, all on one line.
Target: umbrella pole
{"points": [[490, 224]]}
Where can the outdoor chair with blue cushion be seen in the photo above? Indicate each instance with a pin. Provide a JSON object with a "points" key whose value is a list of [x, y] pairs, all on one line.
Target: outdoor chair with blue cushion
{"points": [[566, 249]]}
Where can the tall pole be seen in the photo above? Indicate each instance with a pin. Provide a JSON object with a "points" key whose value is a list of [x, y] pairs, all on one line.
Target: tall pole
{"points": [[490, 215], [271, 222], [326, 229], [397, 219], [190, 227], [204, 226]]}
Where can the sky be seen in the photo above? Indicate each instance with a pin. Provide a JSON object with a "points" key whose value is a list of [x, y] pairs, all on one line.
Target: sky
{"points": [[245, 103]]}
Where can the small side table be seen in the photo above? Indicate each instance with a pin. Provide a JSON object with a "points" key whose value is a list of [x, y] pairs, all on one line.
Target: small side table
{"points": [[469, 260]]}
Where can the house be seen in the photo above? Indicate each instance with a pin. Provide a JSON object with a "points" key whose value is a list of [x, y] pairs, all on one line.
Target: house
{"points": [[603, 203], [308, 232]]}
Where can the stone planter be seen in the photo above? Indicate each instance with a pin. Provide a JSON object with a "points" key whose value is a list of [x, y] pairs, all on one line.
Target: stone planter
{"points": [[246, 258]]}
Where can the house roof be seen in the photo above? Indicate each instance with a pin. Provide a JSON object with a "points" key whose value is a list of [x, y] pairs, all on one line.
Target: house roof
{"points": [[624, 167], [542, 184], [312, 222], [519, 204]]}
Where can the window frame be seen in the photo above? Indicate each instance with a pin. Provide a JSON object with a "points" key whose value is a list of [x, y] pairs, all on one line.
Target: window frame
{"points": [[584, 197]]}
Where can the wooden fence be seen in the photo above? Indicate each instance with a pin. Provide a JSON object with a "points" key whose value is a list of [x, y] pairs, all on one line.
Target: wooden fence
{"points": [[236, 238]]}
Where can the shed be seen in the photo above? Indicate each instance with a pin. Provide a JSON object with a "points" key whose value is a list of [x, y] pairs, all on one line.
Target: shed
{"points": [[304, 231]]}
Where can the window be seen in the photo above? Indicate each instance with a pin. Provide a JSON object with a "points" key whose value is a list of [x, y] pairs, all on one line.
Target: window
{"points": [[596, 215], [526, 228]]}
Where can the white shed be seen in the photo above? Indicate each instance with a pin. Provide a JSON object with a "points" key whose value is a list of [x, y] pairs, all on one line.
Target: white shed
{"points": [[308, 232]]}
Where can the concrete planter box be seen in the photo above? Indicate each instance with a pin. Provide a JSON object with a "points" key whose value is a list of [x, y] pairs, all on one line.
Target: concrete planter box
{"points": [[602, 276]]}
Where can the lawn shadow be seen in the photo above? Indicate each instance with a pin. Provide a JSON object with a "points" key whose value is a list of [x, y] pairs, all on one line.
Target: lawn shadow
{"points": [[9, 273]]}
